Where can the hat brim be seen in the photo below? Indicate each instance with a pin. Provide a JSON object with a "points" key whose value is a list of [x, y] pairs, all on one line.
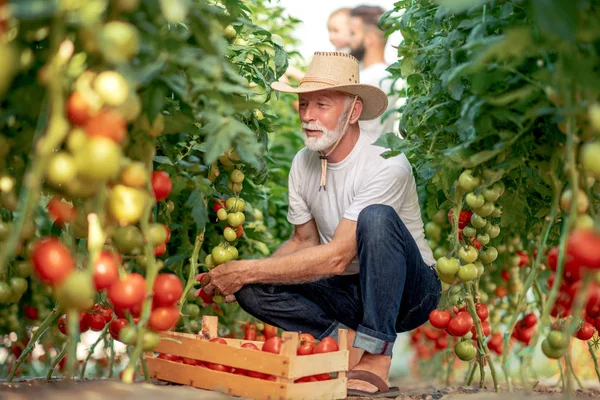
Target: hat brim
{"points": [[375, 101]]}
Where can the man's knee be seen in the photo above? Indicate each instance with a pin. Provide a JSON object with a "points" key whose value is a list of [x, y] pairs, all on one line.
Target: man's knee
{"points": [[374, 218]]}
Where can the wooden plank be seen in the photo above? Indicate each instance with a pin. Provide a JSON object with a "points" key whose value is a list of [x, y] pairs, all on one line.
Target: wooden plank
{"points": [[343, 343], [205, 378], [268, 363], [289, 345], [323, 390], [210, 326], [239, 342], [318, 364]]}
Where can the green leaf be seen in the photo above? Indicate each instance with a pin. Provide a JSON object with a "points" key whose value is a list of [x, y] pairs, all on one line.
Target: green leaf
{"points": [[556, 18], [162, 160], [198, 209]]}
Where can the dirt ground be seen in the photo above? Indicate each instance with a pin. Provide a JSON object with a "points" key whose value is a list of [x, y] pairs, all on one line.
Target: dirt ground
{"points": [[113, 389]]}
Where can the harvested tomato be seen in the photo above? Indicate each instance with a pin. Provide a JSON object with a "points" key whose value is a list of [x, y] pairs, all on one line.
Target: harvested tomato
{"points": [[128, 291], [219, 367], [106, 270], [250, 331], [327, 345], [168, 357], [52, 260], [163, 318], [167, 290], [269, 331], [161, 185], [272, 345], [306, 344]]}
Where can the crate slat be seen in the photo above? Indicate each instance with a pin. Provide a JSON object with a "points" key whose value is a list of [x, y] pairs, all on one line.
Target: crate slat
{"points": [[205, 378], [334, 389], [314, 364]]}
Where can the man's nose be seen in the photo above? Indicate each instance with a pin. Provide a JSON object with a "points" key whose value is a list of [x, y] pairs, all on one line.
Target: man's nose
{"points": [[307, 114]]}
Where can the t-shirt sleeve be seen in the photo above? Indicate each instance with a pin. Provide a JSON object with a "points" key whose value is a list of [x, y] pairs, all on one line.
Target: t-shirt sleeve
{"points": [[386, 187], [298, 211]]}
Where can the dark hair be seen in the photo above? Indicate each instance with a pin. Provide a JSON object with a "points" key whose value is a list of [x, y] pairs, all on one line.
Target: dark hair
{"points": [[368, 14]]}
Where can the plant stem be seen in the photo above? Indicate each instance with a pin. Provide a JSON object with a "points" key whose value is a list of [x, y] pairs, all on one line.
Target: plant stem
{"points": [[56, 361], [92, 348], [522, 296], [192, 271], [145, 369], [73, 331], [471, 373], [450, 359], [570, 364], [111, 362], [593, 354], [34, 338], [481, 371], [57, 129]]}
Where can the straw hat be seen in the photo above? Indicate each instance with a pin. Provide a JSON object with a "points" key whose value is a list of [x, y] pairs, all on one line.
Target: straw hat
{"points": [[339, 71]]}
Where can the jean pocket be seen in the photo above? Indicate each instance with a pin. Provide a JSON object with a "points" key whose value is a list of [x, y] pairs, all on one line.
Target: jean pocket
{"points": [[419, 314]]}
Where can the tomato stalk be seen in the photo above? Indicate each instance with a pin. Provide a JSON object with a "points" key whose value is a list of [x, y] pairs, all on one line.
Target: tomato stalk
{"points": [[595, 358], [56, 132], [44, 326], [93, 347], [111, 360], [192, 270], [56, 361], [481, 370], [470, 373], [572, 370], [522, 295], [450, 359], [481, 339], [73, 331]]}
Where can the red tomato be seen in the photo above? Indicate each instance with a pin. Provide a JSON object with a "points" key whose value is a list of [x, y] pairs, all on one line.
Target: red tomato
{"points": [[128, 291], [167, 290], [306, 379], [431, 334], [505, 275], [218, 340], [160, 249], [322, 377], [306, 344], [168, 233], [523, 258], [482, 311], [163, 318], [108, 123], [52, 260], [61, 212], [440, 318], [463, 219], [96, 322], [78, 109], [583, 246], [460, 324], [525, 335], [585, 332], [191, 361], [485, 327], [553, 258], [260, 338], [269, 331], [475, 243], [218, 205], [161, 185], [168, 357], [218, 367], [106, 312], [441, 343], [501, 291], [115, 327], [530, 320], [592, 308], [62, 324], [207, 298], [272, 345], [250, 331], [106, 270], [253, 374], [30, 312], [327, 345]]}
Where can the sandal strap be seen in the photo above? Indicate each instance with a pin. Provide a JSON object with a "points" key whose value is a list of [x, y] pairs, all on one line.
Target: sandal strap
{"points": [[369, 377]]}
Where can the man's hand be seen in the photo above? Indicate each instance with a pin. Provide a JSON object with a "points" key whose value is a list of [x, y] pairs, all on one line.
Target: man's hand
{"points": [[226, 279]]}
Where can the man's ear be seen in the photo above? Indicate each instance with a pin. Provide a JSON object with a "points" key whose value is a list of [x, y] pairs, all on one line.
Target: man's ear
{"points": [[356, 111]]}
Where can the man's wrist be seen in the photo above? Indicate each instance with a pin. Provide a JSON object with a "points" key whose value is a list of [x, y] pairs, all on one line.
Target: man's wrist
{"points": [[250, 271]]}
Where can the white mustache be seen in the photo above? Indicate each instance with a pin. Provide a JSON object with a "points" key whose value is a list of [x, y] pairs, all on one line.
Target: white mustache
{"points": [[313, 126]]}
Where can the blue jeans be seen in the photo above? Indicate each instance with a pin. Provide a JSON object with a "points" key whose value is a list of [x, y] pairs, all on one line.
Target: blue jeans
{"points": [[394, 291]]}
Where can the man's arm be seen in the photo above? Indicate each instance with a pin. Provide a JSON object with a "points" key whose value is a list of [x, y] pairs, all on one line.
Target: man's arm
{"points": [[304, 236], [309, 263]]}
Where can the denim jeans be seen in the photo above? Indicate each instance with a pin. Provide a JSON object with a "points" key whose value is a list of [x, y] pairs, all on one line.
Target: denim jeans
{"points": [[393, 292]]}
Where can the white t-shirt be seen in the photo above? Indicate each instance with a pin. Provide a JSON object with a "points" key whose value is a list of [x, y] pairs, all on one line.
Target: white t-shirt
{"points": [[361, 179], [377, 75]]}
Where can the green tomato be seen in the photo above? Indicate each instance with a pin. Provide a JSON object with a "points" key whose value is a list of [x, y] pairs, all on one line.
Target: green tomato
{"points": [[552, 352], [468, 254], [433, 230], [467, 181], [208, 260], [483, 238], [584, 222], [467, 273], [5, 228], [480, 268], [492, 230], [23, 269], [488, 255], [150, 340], [158, 234], [447, 266], [222, 214], [496, 212], [440, 252], [491, 194], [192, 310], [229, 32], [469, 231], [590, 157], [235, 204], [448, 279], [230, 234], [475, 200], [558, 340], [18, 285], [128, 335], [233, 251], [499, 187], [465, 350], [5, 292], [220, 255], [440, 217], [486, 209], [237, 176], [478, 221], [76, 291], [236, 219]]}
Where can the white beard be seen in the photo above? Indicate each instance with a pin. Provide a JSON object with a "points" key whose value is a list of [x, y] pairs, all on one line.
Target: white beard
{"points": [[328, 138]]}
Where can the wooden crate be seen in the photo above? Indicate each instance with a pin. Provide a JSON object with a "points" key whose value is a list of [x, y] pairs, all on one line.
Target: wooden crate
{"points": [[286, 366]]}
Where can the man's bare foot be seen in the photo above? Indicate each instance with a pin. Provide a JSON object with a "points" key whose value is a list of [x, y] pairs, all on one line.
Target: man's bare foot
{"points": [[355, 353], [376, 363]]}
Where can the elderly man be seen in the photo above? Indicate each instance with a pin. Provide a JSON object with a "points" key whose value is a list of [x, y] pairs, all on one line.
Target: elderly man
{"points": [[358, 258]]}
